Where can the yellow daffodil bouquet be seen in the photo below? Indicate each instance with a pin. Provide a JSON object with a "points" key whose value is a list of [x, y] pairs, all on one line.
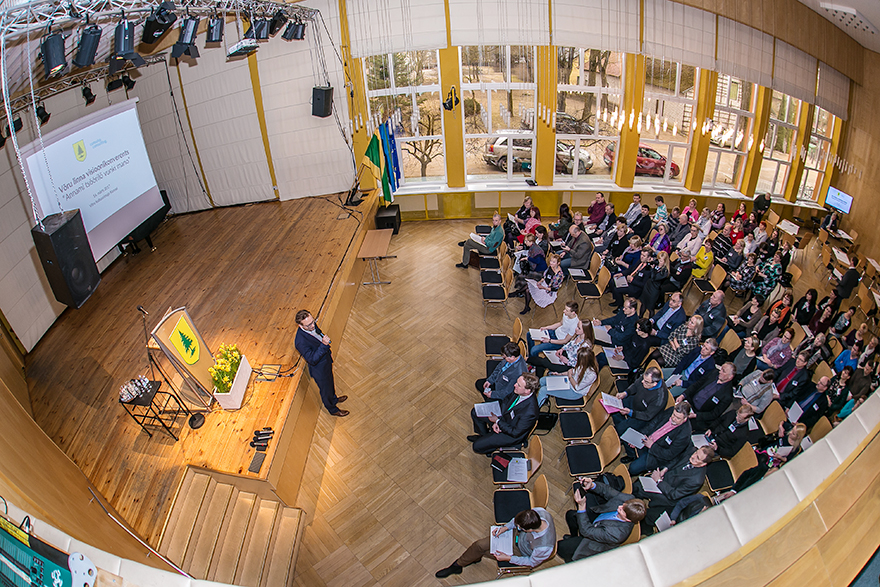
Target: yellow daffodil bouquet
{"points": [[225, 367]]}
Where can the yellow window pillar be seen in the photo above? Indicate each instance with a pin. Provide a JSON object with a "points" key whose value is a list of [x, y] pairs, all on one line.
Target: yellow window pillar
{"points": [[696, 167], [805, 126], [453, 120], [545, 140], [836, 137], [754, 157], [357, 99], [633, 97]]}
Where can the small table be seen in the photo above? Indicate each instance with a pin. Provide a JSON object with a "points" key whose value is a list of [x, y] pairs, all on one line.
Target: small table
{"points": [[842, 258], [876, 298], [375, 247], [788, 226], [874, 264], [152, 407], [841, 235]]}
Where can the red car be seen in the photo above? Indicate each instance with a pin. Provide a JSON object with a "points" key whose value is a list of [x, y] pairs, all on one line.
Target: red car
{"points": [[648, 162]]}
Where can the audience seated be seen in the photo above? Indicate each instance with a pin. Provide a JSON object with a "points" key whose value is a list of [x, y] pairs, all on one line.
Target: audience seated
{"points": [[577, 250], [622, 325], [731, 431], [714, 314], [668, 437], [581, 378], [557, 334], [682, 478], [692, 367], [500, 383], [710, 396], [519, 412], [681, 341], [757, 390], [487, 245], [793, 379], [642, 401], [583, 335], [669, 317]]}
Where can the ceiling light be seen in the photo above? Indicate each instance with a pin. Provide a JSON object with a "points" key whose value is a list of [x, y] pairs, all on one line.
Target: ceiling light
{"points": [[157, 24], [52, 53], [88, 46], [16, 126], [299, 31], [185, 44], [2, 141], [88, 95], [215, 30], [258, 29], [128, 82], [42, 114], [114, 85], [124, 47], [279, 19]]}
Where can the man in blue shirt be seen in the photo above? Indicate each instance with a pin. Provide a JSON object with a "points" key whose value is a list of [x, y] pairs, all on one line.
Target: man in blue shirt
{"points": [[670, 317], [487, 247], [621, 326]]}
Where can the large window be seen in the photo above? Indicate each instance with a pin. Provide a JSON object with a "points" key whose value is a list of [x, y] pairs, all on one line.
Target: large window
{"points": [[405, 87], [499, 97], [732, 122], [588, 102], [817, 154], [668, 110], [779, 143]]}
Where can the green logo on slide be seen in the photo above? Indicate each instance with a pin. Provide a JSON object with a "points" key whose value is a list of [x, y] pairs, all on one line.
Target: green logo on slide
{"points": [[79, 149]]}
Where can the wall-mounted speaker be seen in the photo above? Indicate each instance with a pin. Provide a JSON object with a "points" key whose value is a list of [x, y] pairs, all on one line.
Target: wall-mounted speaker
{"points": [[66, 257], [322, 101]]}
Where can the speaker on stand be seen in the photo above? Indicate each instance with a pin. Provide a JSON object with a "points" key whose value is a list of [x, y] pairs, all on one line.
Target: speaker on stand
{"points": [[66, 257]]}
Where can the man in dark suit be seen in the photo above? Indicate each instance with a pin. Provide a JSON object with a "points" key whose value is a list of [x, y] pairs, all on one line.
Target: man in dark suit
{"points": [[793, 380], [621, 326], [692, 367], [683, 478], [519, 413], [642, 226], [714, 314], [849, 280], [669, 317], [679, 273], [670, 437], [314, 346], [710, 396], [731, 432], [604, 520], [642, 401], [815, 404], [500, 383]]}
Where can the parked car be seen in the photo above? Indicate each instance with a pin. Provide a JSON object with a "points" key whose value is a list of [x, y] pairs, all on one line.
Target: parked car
{"points": [[496, 154], [648, 162]]}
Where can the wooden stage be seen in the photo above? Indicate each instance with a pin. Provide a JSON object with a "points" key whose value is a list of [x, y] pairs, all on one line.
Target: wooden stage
{"points": [[242, 272]]}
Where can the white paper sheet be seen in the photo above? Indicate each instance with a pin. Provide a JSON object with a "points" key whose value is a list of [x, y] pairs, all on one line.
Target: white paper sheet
{"points": [[518, 470], [577, 273], [503, 543], [537, 334], [601, 334], [557, 383], [795, 412], [753, 425], [611, 401], [557, 243], [554, 358], [617, 364], [511, 217], [663, 522], [699, 440], [634, 437], [649, 485], [486, 409], [620, 281]]}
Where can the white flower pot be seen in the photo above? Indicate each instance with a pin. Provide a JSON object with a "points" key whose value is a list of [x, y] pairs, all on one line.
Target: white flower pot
{"points": [[233, 399]]}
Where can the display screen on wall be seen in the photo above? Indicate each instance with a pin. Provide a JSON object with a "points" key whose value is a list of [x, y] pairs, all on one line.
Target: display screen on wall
{"points": [[99, 164], [838, 200]]}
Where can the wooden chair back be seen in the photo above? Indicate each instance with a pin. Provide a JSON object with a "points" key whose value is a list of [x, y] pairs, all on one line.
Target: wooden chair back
{"points": [[523, 350], [622, 471], [595, 263], [505, 263], [517, 330], [719, 274], [826, 255], [743, 460], [653, 363], [799, 334], [820, 429], [772, 217], [772, 416], [670, 401], [730, 343], [796, 273], [535, 454], [673, 257], [853, 234], [606, 381], [788, 238], [602, 280], [823, 237], [508, 280], [866, 299], [822, 370], [805, 240], [541, 492], [608, 446], [634, 536], [598, 416]]}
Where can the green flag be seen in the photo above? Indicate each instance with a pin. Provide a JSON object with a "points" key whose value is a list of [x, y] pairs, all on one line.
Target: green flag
{"points": [[375, 162]]}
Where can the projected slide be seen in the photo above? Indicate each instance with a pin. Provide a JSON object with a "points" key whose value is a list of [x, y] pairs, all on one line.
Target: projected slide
{"points": [[100, 165]]}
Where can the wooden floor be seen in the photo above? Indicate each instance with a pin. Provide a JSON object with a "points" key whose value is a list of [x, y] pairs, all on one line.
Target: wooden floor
{"points": [[393, 492], [242, 272]]}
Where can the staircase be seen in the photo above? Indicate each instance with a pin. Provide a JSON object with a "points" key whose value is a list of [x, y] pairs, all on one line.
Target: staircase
{"points": [[219, 533]]}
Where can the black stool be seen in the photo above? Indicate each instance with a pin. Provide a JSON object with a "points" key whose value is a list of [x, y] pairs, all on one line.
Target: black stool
{"points": [[155, 407]]}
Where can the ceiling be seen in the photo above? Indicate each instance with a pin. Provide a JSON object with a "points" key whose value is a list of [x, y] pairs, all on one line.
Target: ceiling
{"points": [[868, 10]]}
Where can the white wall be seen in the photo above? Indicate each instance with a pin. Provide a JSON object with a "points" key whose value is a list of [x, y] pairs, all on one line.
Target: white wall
{"points": [[309, 154]]}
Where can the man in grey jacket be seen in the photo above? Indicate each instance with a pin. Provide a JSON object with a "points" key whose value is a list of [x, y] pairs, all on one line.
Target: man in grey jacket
{"points": [[599, 527], [500, 383], [577, 251]]}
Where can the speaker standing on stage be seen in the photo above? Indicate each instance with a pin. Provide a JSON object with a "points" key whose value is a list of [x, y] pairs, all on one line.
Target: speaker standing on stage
{"points": [[314, 346]]}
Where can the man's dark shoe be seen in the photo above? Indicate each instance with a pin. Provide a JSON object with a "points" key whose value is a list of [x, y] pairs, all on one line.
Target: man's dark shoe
{"points": [[453, 569], [341, 399], [461, 243], [461, 265], [473, 437], [340, 413]]}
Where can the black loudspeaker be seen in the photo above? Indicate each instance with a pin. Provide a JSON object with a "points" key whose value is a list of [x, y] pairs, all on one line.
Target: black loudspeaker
{"points": [[66, 257], [322, 101]]}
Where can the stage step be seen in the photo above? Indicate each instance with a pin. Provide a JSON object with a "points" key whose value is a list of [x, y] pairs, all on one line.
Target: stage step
{"points": [[217, 532]]}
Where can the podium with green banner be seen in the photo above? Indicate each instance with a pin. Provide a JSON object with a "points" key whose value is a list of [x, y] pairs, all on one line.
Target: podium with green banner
{"points": [[180, 341]]}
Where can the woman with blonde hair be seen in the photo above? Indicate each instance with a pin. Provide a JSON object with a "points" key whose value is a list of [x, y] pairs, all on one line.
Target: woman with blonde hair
{"points": [[683, 340], [581, 378]]}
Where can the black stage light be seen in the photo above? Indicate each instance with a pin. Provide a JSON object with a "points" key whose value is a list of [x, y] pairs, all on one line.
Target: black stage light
{"points": [[287, 35], [42, 114], [124, 47], [258, 29], [128, 82], [158, 23], [88, 95], [52, 53], [2, 141], [114, 85], [186, 43], [299, 31], [88, 46], [16, 125], [279, 19], [215, 30]]}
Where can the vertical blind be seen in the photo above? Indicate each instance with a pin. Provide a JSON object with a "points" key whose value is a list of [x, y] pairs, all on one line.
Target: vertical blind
{"points": [[795, 72], [378, 27], [744, 52], [675, 32], [611, 25], [833, 92], [499, 22]]}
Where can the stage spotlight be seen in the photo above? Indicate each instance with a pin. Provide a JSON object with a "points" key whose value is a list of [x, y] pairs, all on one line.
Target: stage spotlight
{"points": [[258, 29], [124, 47], [295, 30], [114, 85], [158, 23], [2, 141], [287, 35], [88, 46], [215, 30], [42, 114], [279, 19], [52, 53], [16, 125], [128, 82], [88, 95], [186, 43]]}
